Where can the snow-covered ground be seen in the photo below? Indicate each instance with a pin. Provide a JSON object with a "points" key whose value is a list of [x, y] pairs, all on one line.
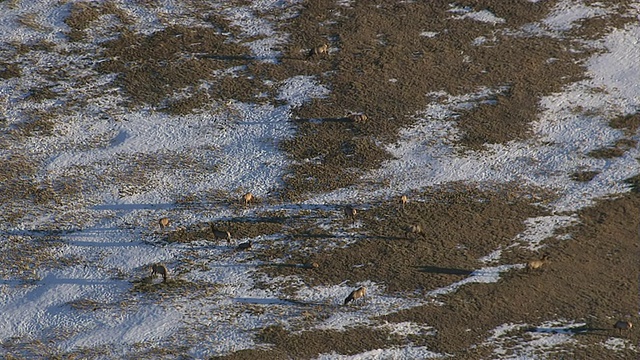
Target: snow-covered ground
{"points": [[106, 229]]}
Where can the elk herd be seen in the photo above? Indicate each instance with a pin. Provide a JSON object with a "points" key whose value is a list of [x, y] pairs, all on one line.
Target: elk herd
{"points": [[411, 231]]}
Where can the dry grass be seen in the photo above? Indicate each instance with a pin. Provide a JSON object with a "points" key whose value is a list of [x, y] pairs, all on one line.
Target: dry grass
{"points": [[84, 14], [25, 255], [9, 70], [36, 125], [173, 288], [584, 176], [152, 68], [30, 20], [238, 227], [331, 154], [629, 123], [41, 94], [85, 304], [580, 273], [459, 225], [306, 344], [376, 42]]}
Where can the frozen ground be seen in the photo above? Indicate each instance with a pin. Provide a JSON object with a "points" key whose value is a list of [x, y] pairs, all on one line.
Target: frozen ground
{"points": [[107, 231]]}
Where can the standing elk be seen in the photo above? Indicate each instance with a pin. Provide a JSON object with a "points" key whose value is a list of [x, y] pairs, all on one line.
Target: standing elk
{"points": [[350, 212], [319, 50], [413, 229], [247, 198], [622, 325], [537, 264], [160, 269], [404, 200], [164, 222], [356, 294], [357, 118], [220, 234]]}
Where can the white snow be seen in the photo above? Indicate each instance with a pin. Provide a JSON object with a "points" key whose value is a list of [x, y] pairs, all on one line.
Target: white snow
{"points": [[567, 12], [409, 352], [482, 16]]}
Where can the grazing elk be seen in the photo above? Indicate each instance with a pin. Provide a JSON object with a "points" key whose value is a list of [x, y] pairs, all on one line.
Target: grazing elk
{"points": [[160, 269], [319, 50], [413, 229], [622, 325], [247, 198], [537, 264], [220, 234], [357, 118], [350, 212], [356, 294], [164, 222], [244, 246]]}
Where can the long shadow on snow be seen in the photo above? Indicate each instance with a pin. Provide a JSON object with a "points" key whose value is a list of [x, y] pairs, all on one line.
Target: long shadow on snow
{"points": [[104, 243], [440, 270], [579, 330], [49, 283], [276, 301], [133, 206]]}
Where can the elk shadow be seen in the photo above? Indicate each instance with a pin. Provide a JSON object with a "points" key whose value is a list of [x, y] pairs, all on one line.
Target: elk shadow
{"points": [[576, 330], [276, 301], [441, 270]]}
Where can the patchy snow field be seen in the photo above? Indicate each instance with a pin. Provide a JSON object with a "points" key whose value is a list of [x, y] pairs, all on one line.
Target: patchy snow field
{"points": [[231, 148]]}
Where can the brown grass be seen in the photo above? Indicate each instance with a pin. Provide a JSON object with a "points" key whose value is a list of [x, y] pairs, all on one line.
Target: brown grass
{"points": [[153, 68], [584, 176], [83, 14], [373, 42], [375, 46], [629, 123], [459, 227], [238, 227], [582, 282], [25, 255], [9, 70], [307, 344]]}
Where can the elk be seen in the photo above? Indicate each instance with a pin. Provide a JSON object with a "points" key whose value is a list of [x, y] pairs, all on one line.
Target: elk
{"points": [[244, 246], [537, 264], [356, 294], [412, 229], [247, 198], [357, 118], [350, 212], [219, 234], [622, 325], [164, 222], [319, 50], [404, 200], [160, 269]]}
